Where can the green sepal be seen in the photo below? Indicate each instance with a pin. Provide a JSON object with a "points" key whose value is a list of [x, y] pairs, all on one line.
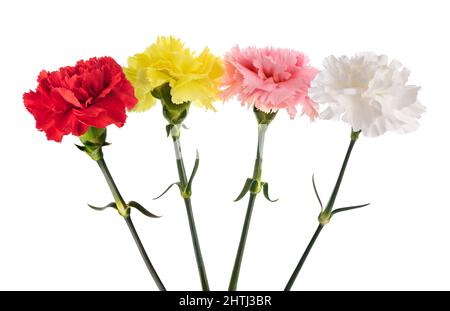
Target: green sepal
{"points": [[245, 189], [169, 129], [94, 136], [93, 141], [264, 117], [168, 188], [81, 148], [355, 135], [112, 204], [95, 153], [265, 187], [142, 209], [174, 113]]}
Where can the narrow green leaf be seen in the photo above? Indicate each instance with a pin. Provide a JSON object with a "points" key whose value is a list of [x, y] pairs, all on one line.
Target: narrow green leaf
{"points": [[168, 188], [194, 171], [317, 194], [112, 204], [343, 209], [266, 192], [142, 209], [245, 189]]}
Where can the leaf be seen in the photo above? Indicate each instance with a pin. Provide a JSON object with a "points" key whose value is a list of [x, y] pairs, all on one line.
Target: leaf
{"points": [[266, 192], [343, 209], [194, 171], [245, 189], [168, 188], [317, 194], [112, 204], [142, 209]]}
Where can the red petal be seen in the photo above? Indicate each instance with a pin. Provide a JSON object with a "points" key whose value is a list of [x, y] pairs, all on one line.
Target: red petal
{"points": [[126, 94], [41, 113], [116, 79], [92, 82], [79, 128], [56, 102], [68, 96], [53, 133], [102, 113]]}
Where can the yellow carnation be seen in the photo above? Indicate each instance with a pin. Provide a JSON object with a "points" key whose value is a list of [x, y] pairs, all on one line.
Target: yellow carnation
{"points": [[192, 78]]}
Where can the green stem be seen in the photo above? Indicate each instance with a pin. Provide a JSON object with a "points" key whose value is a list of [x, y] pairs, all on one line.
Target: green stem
{"points": [[125, 213], [121, 205], [190, 215], [240, 253], [303, 259], [144, 255], [257, 171], [325, 215], [354, 137]]}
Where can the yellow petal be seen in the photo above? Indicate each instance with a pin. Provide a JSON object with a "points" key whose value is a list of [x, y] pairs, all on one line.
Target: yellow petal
{"points": [[192, 78], [145, 102], [194, 91]]}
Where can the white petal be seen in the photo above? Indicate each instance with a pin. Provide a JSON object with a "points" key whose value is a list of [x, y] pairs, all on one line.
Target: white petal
{"points": [[367, 92]]}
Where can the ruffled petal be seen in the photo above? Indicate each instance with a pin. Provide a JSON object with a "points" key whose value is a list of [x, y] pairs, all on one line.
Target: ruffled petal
{"points": [[270, 79], [195, 78], [69, 101], [368, 92]]}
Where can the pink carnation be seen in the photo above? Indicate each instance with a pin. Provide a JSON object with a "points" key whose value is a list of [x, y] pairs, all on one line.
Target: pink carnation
{"points": [[270, 79]]}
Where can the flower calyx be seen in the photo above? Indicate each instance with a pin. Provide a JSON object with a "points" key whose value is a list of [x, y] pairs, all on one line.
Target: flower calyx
{"points": [[174, 113], [355, 135], [93, 141], [264, 117]]}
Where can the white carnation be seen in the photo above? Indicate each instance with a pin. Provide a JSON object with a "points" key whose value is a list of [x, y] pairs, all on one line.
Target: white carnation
{"points": [[369, 93]]}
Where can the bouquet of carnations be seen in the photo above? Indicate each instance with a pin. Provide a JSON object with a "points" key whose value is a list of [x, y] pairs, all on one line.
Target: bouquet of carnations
{"points": [[367, 91]]}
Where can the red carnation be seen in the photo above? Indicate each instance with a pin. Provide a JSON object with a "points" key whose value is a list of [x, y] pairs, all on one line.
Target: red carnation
{"points": [[92, 93]]}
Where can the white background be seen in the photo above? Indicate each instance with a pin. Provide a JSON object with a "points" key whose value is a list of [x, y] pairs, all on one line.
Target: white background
{"points": [[51, 240]]}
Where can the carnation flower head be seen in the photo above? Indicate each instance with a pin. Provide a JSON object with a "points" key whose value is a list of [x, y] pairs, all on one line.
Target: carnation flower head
{"points": [[93, 93], [270, 79], [192, 78], [368, 92]]}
